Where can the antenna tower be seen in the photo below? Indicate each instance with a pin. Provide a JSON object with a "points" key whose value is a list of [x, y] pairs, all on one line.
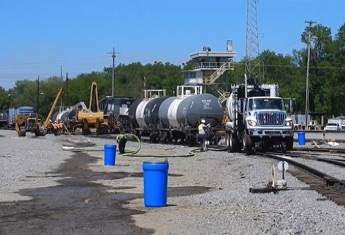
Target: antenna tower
{"points": [[252, 40]]}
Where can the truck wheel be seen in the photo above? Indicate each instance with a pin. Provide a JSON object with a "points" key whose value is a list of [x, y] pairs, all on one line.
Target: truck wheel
{"points": [[227, 141], [283, 148], [37, 132], [289, 143], [21, 134], [232, 143], [247, 144]]}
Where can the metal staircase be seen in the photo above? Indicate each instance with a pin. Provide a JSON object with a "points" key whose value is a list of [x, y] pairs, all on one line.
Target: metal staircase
{"points": [[214, 76], [222, 94]]}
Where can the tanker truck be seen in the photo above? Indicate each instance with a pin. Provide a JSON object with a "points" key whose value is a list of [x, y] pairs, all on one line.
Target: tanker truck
{"points": [[257, 119]]}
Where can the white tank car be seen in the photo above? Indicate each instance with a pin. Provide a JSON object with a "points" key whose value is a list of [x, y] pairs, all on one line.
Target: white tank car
{"points": [[192, 109], [186, 110], [164, 110], [139, 113], [172, 113], [151, 117], [142, 112]]}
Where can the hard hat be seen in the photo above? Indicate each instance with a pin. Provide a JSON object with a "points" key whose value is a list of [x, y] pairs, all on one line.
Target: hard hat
{"points": [[203, 121]]}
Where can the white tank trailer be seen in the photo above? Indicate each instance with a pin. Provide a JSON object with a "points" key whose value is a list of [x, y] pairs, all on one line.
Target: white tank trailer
{"points": [[175, 118], [257, 119]]}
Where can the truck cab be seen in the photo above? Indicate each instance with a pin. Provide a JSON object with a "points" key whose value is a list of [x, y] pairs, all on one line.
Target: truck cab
{"points": [[258, 119], [333, 124], [332, 127], [267, 123]]}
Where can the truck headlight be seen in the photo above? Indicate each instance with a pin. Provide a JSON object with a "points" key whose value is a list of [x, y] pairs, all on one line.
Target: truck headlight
{"points": [[251, 121], [289, 123]]}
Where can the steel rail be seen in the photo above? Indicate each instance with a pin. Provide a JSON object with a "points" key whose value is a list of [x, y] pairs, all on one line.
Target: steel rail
{"points": [[329, 186]]}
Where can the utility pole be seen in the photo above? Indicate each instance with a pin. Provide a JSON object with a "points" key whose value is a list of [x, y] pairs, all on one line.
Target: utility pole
{"points": [[113, 54], [67, 101], [38, 94], [310, 23]]}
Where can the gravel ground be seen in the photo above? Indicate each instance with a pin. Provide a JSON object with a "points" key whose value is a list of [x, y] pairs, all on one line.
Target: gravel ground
{"points": [[207, 193]]}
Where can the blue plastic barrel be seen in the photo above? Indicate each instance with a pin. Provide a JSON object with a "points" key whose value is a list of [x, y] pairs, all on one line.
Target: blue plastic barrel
{"points": [[109, 154], [301, 138], [155, 183]]}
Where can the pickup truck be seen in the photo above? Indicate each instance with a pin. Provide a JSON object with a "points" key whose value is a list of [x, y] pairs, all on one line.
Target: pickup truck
{"points": [[332, 127]]}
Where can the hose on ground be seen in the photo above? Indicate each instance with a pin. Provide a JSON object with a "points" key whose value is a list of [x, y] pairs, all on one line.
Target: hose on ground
{"points": [[135, 153], [131, 153]]}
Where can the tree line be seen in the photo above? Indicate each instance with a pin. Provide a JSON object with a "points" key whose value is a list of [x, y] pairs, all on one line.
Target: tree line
{"points": [[326, 78]]}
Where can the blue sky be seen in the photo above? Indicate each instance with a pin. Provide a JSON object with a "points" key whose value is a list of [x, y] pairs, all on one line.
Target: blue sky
{"points": [[39, 37]]}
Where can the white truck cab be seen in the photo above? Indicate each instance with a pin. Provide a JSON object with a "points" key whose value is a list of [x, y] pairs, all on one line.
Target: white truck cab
{"points": [[333, 124]]}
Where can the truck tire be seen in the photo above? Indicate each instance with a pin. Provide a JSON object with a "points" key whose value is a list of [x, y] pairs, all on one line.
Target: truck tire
{"points": [[227, 141], [21, 133], [247, 144], [289, 143], [232, 143]]}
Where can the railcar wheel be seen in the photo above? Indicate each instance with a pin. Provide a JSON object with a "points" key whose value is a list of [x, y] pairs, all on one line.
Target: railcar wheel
{"points": [[86, 131], [75, 128], [191, 139], [138, 134], [154, 137]]}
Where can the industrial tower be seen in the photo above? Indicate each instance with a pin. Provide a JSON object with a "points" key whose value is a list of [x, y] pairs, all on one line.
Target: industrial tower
{"points": [[252, 68]]}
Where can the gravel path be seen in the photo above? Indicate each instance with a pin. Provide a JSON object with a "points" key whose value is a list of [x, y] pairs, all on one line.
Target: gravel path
{"points": [[207, 193]]}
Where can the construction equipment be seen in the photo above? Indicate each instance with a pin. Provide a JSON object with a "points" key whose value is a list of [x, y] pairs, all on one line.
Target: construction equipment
{"points": [[91, 117], [29, 122], [57, 126]]}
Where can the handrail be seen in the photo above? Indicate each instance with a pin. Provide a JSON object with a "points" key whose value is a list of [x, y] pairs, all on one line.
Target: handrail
{"points": [[216, 74]]}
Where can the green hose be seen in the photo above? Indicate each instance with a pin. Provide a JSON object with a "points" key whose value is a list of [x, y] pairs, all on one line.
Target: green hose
{"points": [[134, 153], [131, 153]]}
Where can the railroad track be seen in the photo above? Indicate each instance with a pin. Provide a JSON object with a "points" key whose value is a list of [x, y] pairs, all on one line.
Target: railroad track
{"points": [[327, 185], [322, 149]]}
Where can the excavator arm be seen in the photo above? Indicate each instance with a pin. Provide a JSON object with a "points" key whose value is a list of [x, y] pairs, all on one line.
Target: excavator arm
{"points": [[45, 125], [93, 104]]}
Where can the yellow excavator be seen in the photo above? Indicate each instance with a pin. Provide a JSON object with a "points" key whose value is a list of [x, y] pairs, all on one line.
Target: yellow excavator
{"points": [[29, 122], [57, 126], [91, 117]]}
